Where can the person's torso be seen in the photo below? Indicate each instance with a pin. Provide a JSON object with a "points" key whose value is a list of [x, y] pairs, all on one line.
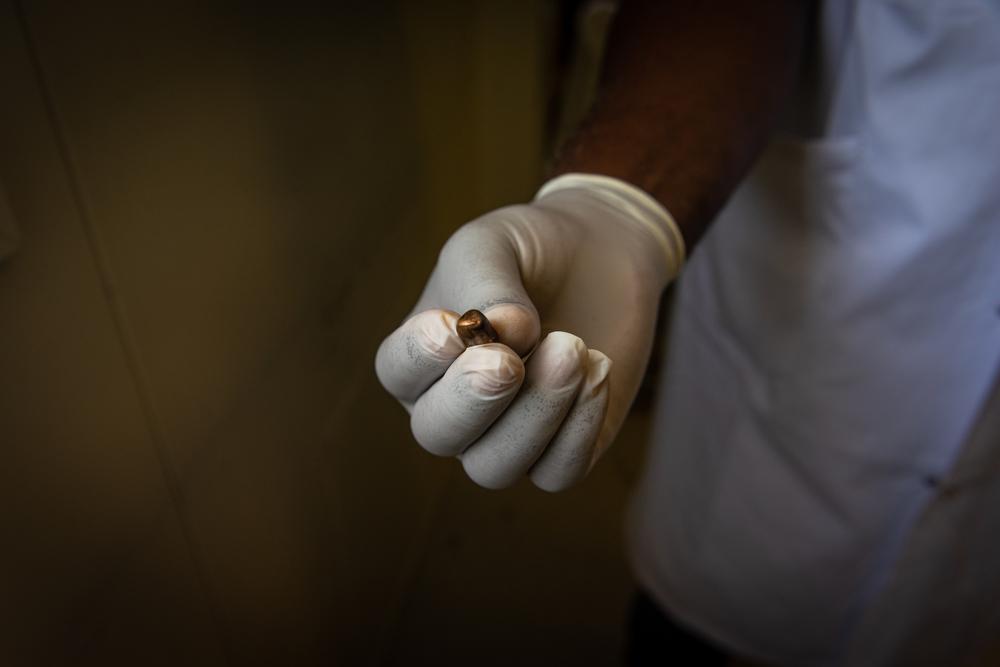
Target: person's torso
{"points": [[834, 338]]}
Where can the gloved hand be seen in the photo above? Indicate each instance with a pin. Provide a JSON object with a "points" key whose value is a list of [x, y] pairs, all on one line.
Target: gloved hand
{"points": [[578, 270]]}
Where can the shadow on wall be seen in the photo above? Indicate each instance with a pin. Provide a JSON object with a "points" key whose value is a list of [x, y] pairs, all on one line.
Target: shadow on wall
{"points": [[221, 211]]}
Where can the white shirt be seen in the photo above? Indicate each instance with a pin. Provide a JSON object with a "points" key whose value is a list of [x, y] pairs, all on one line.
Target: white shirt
{"points": [[835, 340]]}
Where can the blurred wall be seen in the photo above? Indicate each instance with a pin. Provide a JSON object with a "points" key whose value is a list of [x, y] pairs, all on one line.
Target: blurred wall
{"points": [[221, 209]]}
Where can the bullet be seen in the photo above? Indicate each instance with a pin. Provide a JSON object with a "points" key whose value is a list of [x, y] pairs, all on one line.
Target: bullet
{"points": [[475, 329]]}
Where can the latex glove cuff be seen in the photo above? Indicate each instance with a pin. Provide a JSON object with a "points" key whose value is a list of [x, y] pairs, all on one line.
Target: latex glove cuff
{"points": [[634, 205]]}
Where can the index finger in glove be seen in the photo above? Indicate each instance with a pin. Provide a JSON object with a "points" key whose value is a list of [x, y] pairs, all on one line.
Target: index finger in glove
{"points": [[471, 395], [509, 448], [416, 354]]}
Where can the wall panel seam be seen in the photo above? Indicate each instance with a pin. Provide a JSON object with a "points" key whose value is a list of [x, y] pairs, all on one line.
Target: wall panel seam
{"points": [[121, 327]]}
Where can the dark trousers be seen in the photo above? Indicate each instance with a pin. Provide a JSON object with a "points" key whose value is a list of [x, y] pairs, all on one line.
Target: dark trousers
{"points": [[655, 639]]}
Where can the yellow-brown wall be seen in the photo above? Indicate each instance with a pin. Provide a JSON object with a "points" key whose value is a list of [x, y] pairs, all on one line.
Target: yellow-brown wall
{"points": [[221, 210]]}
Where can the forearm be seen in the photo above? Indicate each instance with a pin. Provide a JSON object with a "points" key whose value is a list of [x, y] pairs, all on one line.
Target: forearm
{"points": [[689, 93]]}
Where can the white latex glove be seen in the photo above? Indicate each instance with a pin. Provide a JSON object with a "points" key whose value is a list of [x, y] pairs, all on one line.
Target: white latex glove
{"points": [[578, 270]]}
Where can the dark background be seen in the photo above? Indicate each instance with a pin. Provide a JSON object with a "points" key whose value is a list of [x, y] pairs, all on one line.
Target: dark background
{"points": [[221, 209]]}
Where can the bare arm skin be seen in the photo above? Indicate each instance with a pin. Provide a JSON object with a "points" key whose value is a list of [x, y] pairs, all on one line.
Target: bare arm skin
{"points": [[689, 93]]}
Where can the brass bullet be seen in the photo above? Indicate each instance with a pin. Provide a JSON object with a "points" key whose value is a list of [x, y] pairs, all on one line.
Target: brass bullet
{"points": [[475, 329]]}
